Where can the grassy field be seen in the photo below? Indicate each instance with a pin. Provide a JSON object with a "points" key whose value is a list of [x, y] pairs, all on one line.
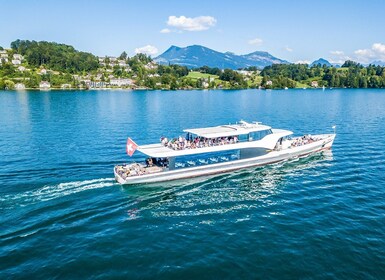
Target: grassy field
{"points": [[300, 85], [197, 75]]}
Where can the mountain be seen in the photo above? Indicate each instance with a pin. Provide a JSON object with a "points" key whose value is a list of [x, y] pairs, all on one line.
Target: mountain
{"points": [[197, 56], [378, 62], [321, 62]]}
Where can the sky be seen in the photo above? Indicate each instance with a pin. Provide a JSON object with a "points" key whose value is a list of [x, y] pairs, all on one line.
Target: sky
{"points": [[297, 31]]}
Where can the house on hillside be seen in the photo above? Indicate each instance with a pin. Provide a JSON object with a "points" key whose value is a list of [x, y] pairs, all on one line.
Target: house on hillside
{"points": [[269, 83], [18, 56], [16, 61], [21, 68]]}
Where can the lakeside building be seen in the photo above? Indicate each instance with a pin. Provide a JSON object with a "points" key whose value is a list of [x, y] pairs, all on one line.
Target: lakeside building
{"points": [[96, 84], [65, 86], [19, 86], [121, 82], [314, 84], [44, 85], [21, 68]]}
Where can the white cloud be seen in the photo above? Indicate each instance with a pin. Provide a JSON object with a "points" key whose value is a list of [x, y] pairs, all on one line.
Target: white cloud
{"points": [[256, 42], [376, 52], [364, 52], [379, 48], [191, 24], [149, 50], [337, 52], [165, 30], [288, 49], [339, 57], [303, 62]]}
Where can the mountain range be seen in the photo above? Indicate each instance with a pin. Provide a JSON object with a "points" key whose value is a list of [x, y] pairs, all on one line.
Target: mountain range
{"points": [[197, 56]]}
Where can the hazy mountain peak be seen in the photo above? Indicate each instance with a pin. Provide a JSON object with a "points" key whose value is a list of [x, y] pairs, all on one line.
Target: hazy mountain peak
{"points": [[196, 56]]}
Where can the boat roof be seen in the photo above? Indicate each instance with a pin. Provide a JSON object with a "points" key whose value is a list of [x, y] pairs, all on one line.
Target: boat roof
{"points": [[160, 151], [228, 130]]}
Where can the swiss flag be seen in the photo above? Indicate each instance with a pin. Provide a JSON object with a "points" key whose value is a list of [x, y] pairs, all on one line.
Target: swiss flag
{"points": [[130, 147]]}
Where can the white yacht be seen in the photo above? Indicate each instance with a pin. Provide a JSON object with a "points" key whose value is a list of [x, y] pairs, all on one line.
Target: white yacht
{"points": [[214, 150]]}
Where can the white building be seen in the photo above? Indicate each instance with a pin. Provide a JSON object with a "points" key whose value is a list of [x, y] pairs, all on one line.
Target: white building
{"points": [[3, 52], [64, 86], [44, 85], [19, 86], [120, 82], [314, 84], [16, 61], [269, 83], [21, 68], [17, 56]]}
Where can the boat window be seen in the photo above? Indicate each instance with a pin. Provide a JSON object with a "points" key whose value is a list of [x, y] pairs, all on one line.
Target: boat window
{"points": [[206, 158], [243, 137], [258, 135]]}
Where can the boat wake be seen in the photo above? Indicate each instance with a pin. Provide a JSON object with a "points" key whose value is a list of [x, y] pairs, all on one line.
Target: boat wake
{"points": [[50, 192]]}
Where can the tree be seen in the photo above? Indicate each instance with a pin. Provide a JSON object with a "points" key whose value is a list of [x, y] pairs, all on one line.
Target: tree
{"points": [[123, 55]]}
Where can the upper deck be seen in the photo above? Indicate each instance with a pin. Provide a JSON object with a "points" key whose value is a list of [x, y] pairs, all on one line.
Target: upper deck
{"points": [[240, 128], [268, 142]]}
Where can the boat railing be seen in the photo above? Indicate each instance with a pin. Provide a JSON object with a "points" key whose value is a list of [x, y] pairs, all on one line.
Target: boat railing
{"points": [[182, 143]]}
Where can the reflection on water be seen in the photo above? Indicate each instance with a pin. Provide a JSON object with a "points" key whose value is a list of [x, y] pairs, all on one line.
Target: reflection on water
{"points": [[219, 194]]}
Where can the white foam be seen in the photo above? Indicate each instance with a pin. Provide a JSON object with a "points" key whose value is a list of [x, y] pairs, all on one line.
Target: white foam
{"points": [[50, 192]]}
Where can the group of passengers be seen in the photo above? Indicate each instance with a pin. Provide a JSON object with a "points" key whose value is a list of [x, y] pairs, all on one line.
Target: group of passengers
{"points": [[306, 139], [182, 143], [163, 162], [130, 170]]}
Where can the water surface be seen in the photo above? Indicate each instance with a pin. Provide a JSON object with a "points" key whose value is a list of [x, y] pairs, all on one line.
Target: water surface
{"points": [[63, 216]]}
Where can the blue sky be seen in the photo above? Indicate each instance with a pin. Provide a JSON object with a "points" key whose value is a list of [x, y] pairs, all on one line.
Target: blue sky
{"points": [[292, 30]]}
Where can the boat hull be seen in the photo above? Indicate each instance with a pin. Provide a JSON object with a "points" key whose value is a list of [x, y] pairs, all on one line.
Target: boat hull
{"points": [[225, 167]]}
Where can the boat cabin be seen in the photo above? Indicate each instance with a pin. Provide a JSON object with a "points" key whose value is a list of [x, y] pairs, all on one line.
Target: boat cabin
{"points": [[213, 144]]}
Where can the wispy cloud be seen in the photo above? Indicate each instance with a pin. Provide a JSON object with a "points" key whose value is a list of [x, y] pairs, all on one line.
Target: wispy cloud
{"points": [[288, 49], [165, 30], [339, 57], [303, 62], [149, 50], [337, 52], [256, 42], [189, 24]]}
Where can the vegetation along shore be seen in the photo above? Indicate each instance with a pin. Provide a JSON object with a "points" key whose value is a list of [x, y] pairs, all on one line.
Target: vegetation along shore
{"points": [[48, 65]]}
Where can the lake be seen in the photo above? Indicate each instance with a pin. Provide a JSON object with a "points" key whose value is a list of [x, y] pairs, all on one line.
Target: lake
{"points": [[63, 215]]}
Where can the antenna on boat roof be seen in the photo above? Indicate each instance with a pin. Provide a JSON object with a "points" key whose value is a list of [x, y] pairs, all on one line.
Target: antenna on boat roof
{"points": [[334, 128]]}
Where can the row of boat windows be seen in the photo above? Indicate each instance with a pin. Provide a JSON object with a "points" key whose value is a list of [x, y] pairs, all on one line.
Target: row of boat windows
{"points": [[206, 158]]}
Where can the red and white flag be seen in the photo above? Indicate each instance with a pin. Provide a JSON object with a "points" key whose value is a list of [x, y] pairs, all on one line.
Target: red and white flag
{"points": [[130, 147]]}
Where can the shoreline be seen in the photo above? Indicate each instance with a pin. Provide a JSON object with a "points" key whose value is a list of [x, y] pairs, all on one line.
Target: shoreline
{"points": [[193, 89]]}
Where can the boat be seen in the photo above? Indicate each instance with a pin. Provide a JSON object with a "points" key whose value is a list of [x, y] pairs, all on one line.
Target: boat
{"points": [[215, 150]]}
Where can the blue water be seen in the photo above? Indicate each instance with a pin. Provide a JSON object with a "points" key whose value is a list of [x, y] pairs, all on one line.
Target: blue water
{"points": [[63, 216]]}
